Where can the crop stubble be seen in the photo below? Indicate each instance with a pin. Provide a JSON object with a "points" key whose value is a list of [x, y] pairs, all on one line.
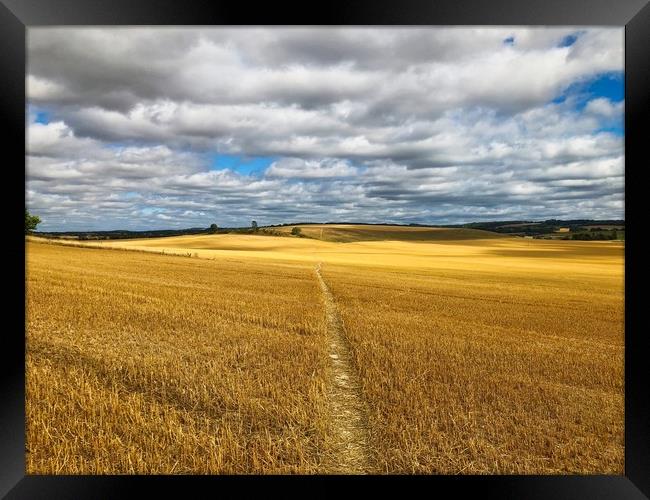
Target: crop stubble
{"points": [[473, 357]]}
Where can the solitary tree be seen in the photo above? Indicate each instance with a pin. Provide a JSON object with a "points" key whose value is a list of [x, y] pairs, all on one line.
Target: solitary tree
{"points": [[296, 231], [213, 228], [31, 221], [254, 225]]}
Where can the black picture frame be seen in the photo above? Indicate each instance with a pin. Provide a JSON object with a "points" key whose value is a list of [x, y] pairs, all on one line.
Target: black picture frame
{"points": [[17, 15]]}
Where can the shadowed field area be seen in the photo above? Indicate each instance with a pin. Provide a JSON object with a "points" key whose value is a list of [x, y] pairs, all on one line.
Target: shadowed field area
{"points": [[472, 356], [345, 233]]}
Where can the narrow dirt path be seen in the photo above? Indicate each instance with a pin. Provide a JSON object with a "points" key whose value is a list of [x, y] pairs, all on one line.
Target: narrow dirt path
{"points": [[346, 405]]}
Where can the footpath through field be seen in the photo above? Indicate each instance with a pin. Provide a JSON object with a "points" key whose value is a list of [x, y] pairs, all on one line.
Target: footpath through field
{"points": [[346, 404]]}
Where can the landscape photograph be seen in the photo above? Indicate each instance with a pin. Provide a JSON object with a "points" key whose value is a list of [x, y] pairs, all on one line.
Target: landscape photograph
{"points": [[324, 250]]}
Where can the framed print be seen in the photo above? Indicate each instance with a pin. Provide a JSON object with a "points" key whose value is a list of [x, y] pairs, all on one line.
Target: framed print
{"points": [[376, 242]]}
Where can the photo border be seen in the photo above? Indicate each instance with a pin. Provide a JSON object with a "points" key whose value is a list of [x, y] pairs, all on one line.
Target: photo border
{"points": [[18, 15]]}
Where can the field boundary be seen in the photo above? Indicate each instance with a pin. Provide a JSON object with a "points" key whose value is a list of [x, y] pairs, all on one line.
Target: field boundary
{"points": [[347, 408]]}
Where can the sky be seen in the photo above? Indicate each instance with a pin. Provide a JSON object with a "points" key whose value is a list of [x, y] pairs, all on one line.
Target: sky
{"points": [[155, 128]]}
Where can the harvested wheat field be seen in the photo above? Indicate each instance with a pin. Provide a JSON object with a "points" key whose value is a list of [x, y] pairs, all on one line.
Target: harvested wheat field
{"points": [[354, 349], [143, 363]]}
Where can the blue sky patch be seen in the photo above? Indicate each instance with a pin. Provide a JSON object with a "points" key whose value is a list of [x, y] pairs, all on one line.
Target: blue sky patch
{"points": [[42, 116], [569, 40], [242, 164], [605, 85], [608, 85]]}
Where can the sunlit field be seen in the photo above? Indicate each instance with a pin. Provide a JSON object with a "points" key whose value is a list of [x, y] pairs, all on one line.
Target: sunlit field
{"points": [[142, 363], [474, 353]]}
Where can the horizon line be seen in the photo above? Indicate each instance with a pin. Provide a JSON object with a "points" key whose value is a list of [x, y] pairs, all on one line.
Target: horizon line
{"points": [[333, 223]]}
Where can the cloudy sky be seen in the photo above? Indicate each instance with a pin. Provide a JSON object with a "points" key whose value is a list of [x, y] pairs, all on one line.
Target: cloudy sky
{"points": [[143, 128]]}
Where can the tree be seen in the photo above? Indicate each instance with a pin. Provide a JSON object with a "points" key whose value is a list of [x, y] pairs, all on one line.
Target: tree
{"points": [[296, 231], [213, 228], [31, 221], [254, 225]]}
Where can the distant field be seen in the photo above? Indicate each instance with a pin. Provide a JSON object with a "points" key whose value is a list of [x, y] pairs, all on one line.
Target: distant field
{"points": [[522, 224], [346, 233], [475, 352]]}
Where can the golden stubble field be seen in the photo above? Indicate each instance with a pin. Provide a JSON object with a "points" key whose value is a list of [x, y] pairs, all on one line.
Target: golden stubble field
{"points": [[474, 356], [144, 363]]}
